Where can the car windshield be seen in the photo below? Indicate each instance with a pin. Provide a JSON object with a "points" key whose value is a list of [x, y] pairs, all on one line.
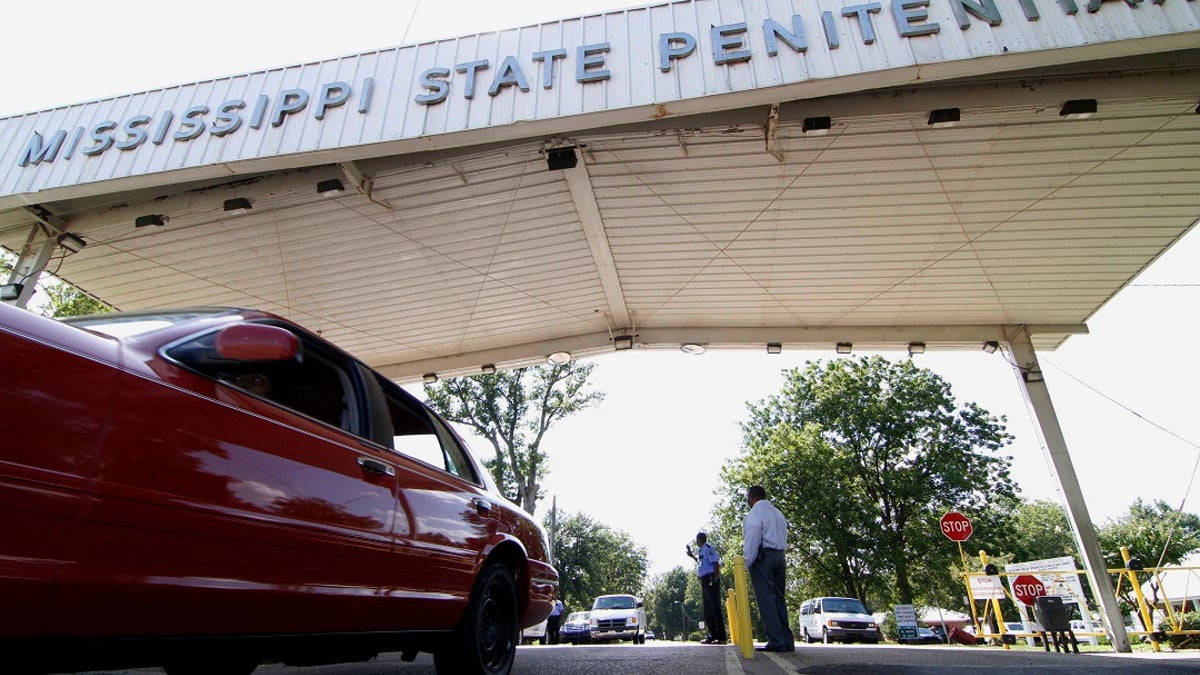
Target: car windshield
{"points": [[577, 617], [618, 602], [131, 324], [846, 605]]}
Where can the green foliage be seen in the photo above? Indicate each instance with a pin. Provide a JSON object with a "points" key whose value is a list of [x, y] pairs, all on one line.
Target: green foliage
{"points": [[888, 628], [66, 300], [593, 559], [663, 598], [1190, 621], [1036, 530], [1150, 531], [513, 410], [863, 457]]}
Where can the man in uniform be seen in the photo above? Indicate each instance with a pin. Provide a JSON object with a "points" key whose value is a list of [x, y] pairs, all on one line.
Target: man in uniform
{"points": [[764, 537], [709, 572]]}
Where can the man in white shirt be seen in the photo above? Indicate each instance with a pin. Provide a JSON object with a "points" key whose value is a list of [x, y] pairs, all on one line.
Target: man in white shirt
{"points": [[764, 538]]}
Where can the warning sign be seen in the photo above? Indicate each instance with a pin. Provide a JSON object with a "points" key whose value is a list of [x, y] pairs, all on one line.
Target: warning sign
{"points": [[987, 587]]}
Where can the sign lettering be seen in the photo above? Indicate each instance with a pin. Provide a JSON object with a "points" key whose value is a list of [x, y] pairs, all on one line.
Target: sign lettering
{"points": [[729, 46]]}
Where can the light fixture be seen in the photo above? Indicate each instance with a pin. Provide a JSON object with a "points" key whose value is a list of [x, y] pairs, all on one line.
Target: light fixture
{"points": [[692, 348], [155, 219], [991, 346], [844, 347], [72, 242], [1032, 375], [623, 342], [943, 117], [429, 378], [11, 291], [558, 358], [774, 348], [558, 159], [1078, 109], [816, 126], [237, 205], [488, 369], [916, 348], [330, 188]]}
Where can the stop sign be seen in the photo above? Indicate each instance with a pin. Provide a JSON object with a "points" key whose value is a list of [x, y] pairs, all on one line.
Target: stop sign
{"points": [[1027, 587], [956, 526]]}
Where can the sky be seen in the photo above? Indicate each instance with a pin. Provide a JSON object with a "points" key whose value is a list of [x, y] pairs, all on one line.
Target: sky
{"points": [[647, 460]]}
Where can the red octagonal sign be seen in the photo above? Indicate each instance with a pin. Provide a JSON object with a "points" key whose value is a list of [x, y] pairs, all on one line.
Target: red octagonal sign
{"points": [[956, 526], [1027, 587]]}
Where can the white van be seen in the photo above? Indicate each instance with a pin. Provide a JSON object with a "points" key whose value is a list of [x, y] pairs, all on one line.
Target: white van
{"points": [[837, 620], [618, 617]]}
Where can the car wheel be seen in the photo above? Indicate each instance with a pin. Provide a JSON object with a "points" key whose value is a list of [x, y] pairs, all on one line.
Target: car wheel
{"points": [[825, 636], [807, 638], [486, 640]]}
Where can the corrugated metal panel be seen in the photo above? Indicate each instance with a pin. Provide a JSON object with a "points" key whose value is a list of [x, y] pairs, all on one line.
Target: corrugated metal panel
{"points": [[380, 113], [1015, 216]]}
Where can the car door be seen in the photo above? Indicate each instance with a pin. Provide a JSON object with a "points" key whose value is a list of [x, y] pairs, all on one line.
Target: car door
{"points": [[221, 507], [58, 383], [448, 516]]}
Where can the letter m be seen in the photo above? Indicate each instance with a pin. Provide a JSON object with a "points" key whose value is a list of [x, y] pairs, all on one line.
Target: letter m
{"points": [[36, 152]]}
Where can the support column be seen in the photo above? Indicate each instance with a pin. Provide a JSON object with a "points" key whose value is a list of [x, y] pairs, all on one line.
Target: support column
{"points": [[30, 265], [1029, 374]]}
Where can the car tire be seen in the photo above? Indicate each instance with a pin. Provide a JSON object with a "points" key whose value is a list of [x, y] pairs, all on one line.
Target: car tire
{"points": [[825, 636], [807, 638], [485, 642]]}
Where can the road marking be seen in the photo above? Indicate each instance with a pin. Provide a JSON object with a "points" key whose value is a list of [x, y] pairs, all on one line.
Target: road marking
{"points": [[733, 663], [779, 661]]}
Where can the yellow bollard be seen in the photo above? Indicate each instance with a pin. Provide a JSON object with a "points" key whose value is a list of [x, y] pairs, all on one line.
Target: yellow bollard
{"points": [[1142, 607], [742, 635], [731, 611]]}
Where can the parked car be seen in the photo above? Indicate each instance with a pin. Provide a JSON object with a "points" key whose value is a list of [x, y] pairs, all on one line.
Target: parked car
{"points": [[1032, 632], [576, 629], [1080, 626], [925, 636], [650, 635], [618, 617], [837, 620], [535, 633], [208, 488]]}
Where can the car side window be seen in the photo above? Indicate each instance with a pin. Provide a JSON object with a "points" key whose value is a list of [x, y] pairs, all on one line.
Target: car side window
{"points": [[421, 435], [318, 384]]}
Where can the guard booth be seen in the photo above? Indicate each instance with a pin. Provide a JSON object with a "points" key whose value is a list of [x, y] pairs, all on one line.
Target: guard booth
{"points": [[921, 174]]}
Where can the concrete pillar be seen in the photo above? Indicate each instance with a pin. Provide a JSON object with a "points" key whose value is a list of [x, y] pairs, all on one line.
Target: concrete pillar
{"points": [[1029, 374]]}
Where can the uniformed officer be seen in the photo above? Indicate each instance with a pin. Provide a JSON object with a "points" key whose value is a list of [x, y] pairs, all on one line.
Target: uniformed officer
{"points": [[709, 572]]}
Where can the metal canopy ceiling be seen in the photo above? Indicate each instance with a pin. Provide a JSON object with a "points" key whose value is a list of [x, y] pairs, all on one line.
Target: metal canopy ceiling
{"points": [[729, 229]]}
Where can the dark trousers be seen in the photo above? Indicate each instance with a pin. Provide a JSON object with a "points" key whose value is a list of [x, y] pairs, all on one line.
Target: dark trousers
{"points": [[714, 619], [552, 632], [767, 574]]}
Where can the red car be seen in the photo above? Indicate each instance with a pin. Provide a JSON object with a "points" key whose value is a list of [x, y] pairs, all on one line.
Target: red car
{"points": [[206, 489]]}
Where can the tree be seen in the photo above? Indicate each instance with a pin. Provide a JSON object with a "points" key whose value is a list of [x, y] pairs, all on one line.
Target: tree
{"points": [[663, 600], [1151, 532], [66, 300], [863, 457], [1038, 530], [513, 410], [63, 299], [593, 559]]}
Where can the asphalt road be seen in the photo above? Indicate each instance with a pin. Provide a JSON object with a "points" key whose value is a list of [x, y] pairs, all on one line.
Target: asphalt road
{"points": [[666, 658]]}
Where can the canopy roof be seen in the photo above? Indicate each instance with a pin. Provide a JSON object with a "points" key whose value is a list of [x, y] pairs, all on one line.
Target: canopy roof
{"points": [[726, 221]]}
